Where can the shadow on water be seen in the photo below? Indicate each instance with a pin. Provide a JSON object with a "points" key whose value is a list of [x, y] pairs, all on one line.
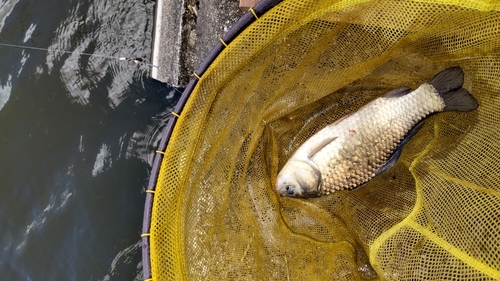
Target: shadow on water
{"points": [[77, 138]]}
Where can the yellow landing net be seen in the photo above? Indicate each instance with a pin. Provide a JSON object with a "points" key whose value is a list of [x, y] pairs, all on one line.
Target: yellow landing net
{"points": [[298, 67]]}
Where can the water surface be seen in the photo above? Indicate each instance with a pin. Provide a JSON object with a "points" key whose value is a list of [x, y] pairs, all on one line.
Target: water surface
{"points": [[77, 137]]}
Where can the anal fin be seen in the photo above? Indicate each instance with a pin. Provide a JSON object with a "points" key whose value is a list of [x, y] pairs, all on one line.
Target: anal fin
{"points": [[397, 152]]}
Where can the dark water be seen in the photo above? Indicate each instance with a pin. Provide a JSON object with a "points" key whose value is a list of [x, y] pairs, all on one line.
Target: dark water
{"points": [[77, 137]]}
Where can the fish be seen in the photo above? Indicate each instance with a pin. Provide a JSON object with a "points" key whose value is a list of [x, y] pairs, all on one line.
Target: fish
{"points": [[360, 146]]}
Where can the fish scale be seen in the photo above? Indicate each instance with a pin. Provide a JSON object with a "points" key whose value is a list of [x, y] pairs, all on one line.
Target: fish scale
{"points": [[375, 138], [357, 147]]}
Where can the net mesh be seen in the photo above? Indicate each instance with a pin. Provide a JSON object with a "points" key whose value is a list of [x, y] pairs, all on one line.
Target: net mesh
{"points": [[302, 65]]}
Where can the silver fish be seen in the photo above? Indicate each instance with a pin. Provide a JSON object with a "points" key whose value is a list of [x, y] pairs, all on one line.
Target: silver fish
{"points": [[362, 145]]}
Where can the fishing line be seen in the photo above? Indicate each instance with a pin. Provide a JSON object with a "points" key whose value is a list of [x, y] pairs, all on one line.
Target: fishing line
{"points": [[135, 60]]}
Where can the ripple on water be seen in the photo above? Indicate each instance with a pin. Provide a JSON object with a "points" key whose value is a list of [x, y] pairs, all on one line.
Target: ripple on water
{"points": [[112, 30], [5, 90]]}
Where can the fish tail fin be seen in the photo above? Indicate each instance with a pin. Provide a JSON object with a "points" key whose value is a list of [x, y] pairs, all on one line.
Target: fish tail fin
{"points": [[448, 84]]}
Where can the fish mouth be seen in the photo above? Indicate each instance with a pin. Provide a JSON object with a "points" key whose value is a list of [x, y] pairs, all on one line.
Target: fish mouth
{"points": [[277, 186]]}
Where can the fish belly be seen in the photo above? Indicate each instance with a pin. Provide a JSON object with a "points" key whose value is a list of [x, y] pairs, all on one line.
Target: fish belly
{"points": [[367, 138]]}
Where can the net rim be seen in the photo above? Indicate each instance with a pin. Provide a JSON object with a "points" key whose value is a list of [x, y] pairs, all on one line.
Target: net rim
{"points": [[245, 21]]}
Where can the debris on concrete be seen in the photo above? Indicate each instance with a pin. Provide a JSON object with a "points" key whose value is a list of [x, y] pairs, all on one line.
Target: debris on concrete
{"points": [[185, 32]]}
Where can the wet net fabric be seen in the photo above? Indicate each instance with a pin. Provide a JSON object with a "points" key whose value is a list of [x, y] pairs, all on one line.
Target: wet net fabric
{"points": [[302, 65]]}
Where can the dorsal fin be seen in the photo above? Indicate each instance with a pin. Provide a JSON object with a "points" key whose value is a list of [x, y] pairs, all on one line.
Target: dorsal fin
{"points": [[397, 92], [320, 145]]}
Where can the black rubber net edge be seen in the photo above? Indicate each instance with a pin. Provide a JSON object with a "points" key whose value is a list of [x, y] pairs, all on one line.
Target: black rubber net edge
{"points": [[245, 21]]}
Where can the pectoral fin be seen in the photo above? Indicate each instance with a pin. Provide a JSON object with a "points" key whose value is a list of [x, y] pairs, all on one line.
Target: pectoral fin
{"points": [[320, 145]]}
